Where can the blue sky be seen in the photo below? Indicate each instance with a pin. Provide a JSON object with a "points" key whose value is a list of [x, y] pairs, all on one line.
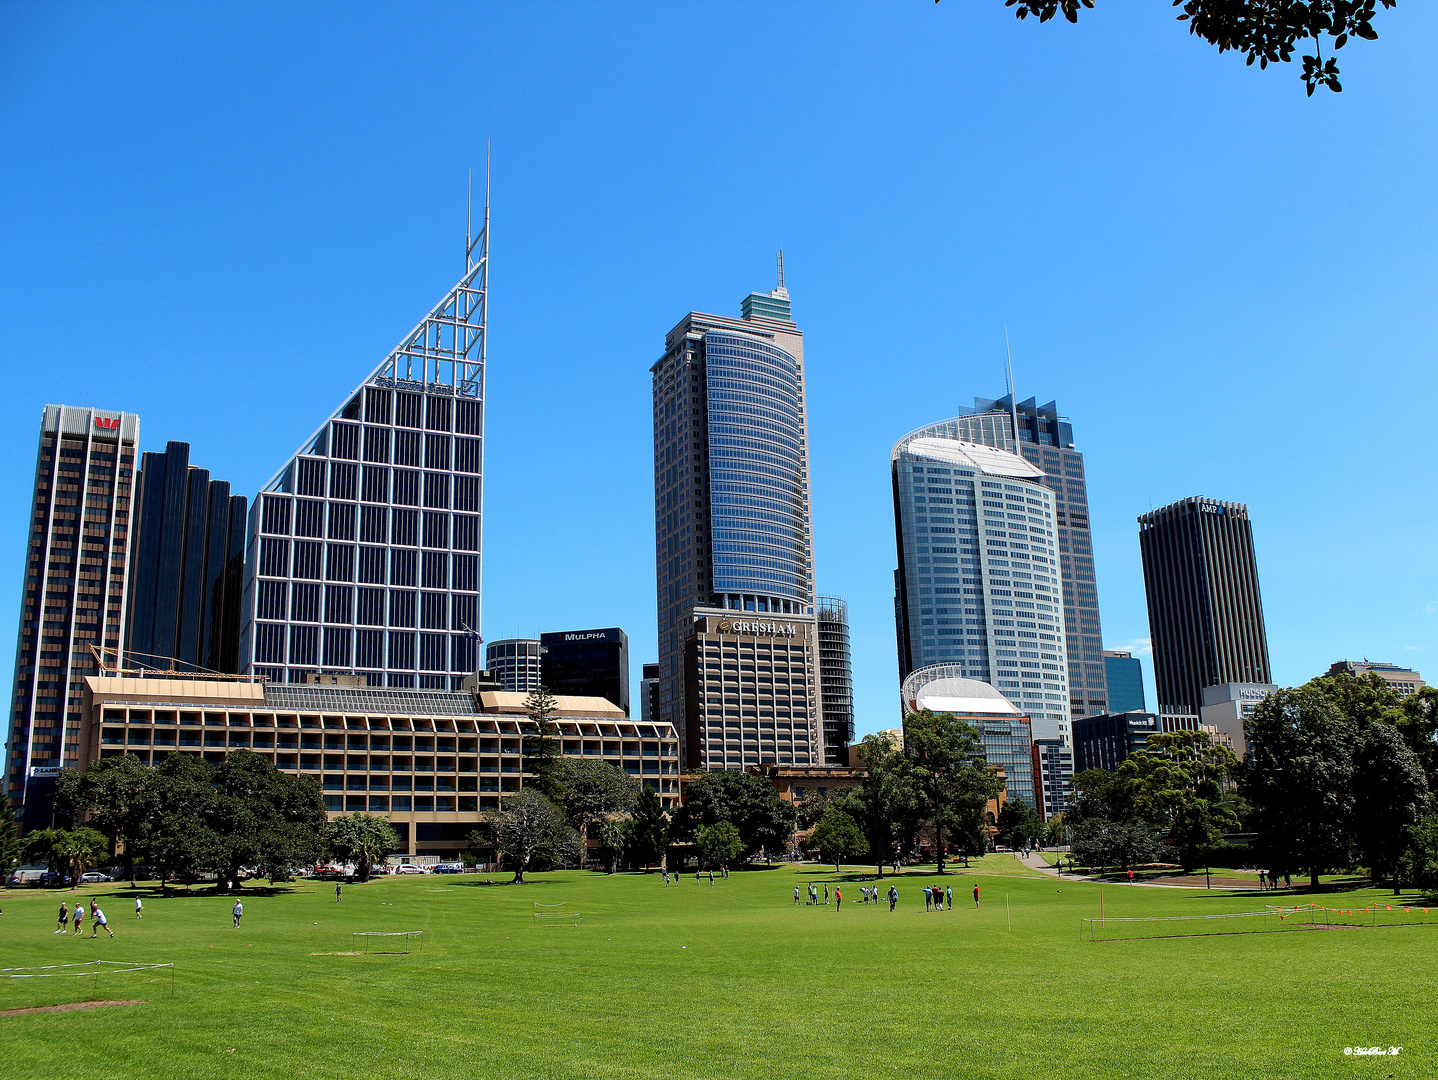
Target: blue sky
{"points": [[223, 217]]}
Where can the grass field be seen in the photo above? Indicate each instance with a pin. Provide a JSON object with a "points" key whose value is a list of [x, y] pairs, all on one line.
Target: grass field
{"points": [[731, 980]]}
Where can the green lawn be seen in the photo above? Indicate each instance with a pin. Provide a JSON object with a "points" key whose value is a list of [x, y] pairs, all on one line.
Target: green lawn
{"points": [[724, 981]]}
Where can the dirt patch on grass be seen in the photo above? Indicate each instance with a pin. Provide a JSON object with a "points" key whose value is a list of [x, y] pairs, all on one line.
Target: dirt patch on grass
{"points": [[67, 1007]]}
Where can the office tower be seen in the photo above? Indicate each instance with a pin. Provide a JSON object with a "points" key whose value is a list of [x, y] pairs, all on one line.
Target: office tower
{"points": [[1045, 440], [1125, 681], [1226, 709], [734, 559], [74, 591], [978, 582], [1205, 613], [1403, 680], [516, 662], [1006, 733], [836, 679], [1102, 742], [1053, 776], [587, 663], [364, 548], [188, 567], [649, 694]]}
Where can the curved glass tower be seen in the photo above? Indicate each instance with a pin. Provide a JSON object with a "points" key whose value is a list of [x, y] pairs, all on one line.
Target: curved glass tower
{"points": [[734, 558]]}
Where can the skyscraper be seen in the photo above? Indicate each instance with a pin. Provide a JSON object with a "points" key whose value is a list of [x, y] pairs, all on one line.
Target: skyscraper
{"points": [[836, 679], [649, 694], [1125, 682], [515, 661], [738, 648], [1046, 441], [364, 548], [188, 567], [1205, 613], [587, 663], [74, 591], [990, 607]]}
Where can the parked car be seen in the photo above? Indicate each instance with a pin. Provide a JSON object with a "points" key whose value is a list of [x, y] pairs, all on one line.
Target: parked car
{"points": [[449, 868], [49, 877], [409, 868], [94, 877]]}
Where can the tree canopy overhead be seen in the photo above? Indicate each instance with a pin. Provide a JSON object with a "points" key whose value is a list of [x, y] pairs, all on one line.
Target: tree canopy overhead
{"points": [[1266, 31]]}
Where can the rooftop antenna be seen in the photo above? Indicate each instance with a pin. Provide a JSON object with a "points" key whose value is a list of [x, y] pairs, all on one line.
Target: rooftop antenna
{"points": [[781, 291], [468, 222], [1013, 396]]}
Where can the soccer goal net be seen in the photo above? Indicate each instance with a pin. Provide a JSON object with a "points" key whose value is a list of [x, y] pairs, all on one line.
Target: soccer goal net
{"points": [[1273, 919], [91, 969], [553, 915], [390, 942]]}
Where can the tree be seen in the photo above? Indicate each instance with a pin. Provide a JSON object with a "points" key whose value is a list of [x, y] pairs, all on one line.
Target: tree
{"points": [[1299, 779], [1178, 781], [1390, 794], [950, 774], [1101, 842], [363, 839], [532, 829], [1418, 724], [750, 803], [179, 839], [719, 843], [1419, 864], [809, 807], [614, 836], [115, 796], [9, 843], [1019, 824], [263, 818], [886, 803], [71, 851], [649, 837], [1264, 30], [589, 790], [838, 837], [1099, 793], [541, 747]]}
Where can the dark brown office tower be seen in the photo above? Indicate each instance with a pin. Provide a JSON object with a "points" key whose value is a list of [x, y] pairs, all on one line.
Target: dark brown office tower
{"points": [[1204, 610], [74, 596]]}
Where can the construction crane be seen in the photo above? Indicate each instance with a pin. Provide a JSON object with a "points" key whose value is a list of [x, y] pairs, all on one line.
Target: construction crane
{"points": [[118, 670]]}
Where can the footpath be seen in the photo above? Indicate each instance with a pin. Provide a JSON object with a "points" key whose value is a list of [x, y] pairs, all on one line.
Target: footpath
{"points": [[1034, 861]]}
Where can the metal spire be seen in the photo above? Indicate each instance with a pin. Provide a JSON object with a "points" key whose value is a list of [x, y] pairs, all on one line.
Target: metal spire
{"points": [[1013, 395], [781, 291]]}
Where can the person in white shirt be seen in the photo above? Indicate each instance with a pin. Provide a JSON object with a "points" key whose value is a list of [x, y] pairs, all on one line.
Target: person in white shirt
{"points": [[99, 920], [237, 912], [138, 907]]}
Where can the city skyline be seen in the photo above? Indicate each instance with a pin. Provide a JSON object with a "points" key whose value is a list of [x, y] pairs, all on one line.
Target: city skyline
{"points": [[1190, 305]]}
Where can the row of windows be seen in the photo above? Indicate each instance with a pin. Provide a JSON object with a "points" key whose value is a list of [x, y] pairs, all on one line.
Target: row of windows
{"points": [[347, 606], [346, 648], [381, 484], [316, 561], [412, 410]]}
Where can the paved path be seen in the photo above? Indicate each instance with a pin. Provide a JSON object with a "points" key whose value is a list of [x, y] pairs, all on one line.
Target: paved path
{"points": [[1036, 861]]}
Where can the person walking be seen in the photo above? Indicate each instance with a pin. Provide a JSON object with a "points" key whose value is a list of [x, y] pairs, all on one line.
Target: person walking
{"points": [[238, 911], [838, 897], [826, 894], [711, 877], [64, 923], [796, 894], [928, 898], [78, 918], [697, 876], [99, 920], [339, 891], [666, 877], [139, 907], [976, 894], [893, 897], [950, 891]]}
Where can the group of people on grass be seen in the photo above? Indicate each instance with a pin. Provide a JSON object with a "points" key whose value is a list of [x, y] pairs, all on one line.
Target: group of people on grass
{"points": [[97, 917], [935, 896]]}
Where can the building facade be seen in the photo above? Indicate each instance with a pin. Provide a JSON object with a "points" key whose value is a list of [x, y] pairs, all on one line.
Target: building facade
{"points": [[1401, 679], [1045, 440], [432, 762], [1006, 733], [73, 595], [1205, 613], [516, 662], [836, 679], [587, 663], [1226, 708], [1053, 776], [1124, 675], [649, 693], [363, 551], [979, 583], [732, 538], [1102, 742], [188, 567]]}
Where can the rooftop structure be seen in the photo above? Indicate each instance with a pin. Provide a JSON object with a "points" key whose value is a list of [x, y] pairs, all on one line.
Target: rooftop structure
{"points": [[1401, 679]]}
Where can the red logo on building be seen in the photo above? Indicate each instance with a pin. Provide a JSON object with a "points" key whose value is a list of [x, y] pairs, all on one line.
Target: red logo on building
{"points": [[107, 422]]}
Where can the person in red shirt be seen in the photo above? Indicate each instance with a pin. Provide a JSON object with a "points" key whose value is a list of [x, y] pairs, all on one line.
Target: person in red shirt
{"points": [[838, 897], [976, 894]]}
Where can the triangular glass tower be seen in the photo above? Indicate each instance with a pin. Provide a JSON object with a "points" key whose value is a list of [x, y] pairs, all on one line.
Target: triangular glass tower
{"points": [[363, 553]]}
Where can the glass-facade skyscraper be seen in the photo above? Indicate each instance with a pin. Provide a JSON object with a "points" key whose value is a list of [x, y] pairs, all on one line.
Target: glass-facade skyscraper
{"points": [[836, 679], [515, 661], [79, 524], [732, 539], [1125, 682], [364, 548], [188, 567], [586, 663], [978, 583], [1045, 439]]}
